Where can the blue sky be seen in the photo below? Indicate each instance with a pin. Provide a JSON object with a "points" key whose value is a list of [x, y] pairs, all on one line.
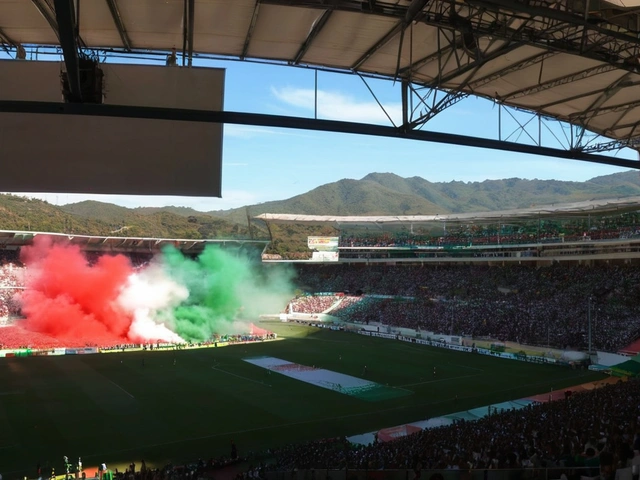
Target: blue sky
{"points": [[263, 164]]}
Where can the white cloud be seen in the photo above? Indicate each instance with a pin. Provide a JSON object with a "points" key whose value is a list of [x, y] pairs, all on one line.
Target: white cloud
{"points": [[338, 106], [247, 132]]}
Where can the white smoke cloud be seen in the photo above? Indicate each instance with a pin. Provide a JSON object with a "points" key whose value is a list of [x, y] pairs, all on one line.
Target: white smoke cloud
{"points": [[150, 295]]}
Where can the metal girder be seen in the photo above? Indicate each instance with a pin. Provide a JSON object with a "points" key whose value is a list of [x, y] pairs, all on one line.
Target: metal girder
{"points": [[611, 108], [5, 40], [626, 125], [546, 12], [48, 15], [579, 37], [67, 31], [450, 99], [411, 13], [317, 27], [613, 145], [573, 77], [614, 88], [252, 26], [118, 22], [358, 6], [528, 62], [614, 125], [279, 121], [424, 60], [572, 98], [190, 29], [476, 64]]}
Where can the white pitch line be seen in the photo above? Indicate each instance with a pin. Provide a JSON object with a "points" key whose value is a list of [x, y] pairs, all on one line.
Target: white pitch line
{"points": [[121, 389], [240, 376]]}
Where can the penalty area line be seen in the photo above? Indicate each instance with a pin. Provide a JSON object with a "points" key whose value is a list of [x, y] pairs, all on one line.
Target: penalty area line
{"points": [[240, 376], [114, 383]]}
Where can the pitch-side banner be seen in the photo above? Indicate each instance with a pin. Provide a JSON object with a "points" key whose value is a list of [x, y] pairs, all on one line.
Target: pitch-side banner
{"points": [[326, 244]]}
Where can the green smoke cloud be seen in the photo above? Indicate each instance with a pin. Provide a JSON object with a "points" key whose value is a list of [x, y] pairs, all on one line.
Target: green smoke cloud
{"points": [[226, 289]]}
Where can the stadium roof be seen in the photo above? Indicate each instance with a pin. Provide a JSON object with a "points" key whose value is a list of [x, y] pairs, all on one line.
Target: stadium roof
{"points": [[9, 239], [577, 209], [574, 60]]}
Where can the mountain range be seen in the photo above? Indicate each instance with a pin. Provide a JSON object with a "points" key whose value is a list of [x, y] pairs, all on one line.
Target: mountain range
{"points": [[375, 194]]}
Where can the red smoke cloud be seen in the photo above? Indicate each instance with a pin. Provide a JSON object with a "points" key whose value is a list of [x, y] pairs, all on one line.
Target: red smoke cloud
{"points": [[68, 299]]}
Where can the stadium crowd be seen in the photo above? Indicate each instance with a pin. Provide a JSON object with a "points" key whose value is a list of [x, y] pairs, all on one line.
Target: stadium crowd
{"points": [[312, 303], [544, 306], [599, 430], [11, 272], [622, 226]]}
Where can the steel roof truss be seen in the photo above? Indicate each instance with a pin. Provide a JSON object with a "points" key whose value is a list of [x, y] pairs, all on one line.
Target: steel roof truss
{"points": [[68, 34], [603, 97], [45, 10], [612, 108], [433, 107], [252, 26], [624, 126], [633, 142], [563, 80], [119, 23], [317, 27], [191, 7], [4, 41], [475, 65], [528, 62]]}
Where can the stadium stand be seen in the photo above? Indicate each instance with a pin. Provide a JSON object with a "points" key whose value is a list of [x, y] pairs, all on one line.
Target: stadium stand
{"points": [[591, 434], [517, 303]]}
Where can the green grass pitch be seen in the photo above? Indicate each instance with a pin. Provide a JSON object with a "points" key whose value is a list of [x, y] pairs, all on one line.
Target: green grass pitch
{"points": [[111, 408]]}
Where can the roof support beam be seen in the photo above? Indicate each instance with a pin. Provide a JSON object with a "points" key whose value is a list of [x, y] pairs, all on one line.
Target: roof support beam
{"points": [[119, 23], [623, 127], [614, 88], [412, 13], [252, 26], [573, 77], [279, 121], [5, 40], [612, 108], [68, 33], [191, 7], [528, 62], [317, 27], [547, 12], [424, 60], [48, 15], [476, 64], [571, 99]]}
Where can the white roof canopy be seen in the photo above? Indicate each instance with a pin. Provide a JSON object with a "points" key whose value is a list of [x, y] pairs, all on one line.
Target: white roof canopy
{"points": [[577, 209]]}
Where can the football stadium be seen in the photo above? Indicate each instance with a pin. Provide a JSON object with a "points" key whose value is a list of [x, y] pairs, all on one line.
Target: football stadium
{"points": [[484, 345], [215, 358]]}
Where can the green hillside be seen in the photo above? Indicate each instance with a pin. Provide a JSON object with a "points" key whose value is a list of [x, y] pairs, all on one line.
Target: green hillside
{"points": [[510, 193], [390, 194], [375, 194], [20, 213], [105, 219], [163, 223]]}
